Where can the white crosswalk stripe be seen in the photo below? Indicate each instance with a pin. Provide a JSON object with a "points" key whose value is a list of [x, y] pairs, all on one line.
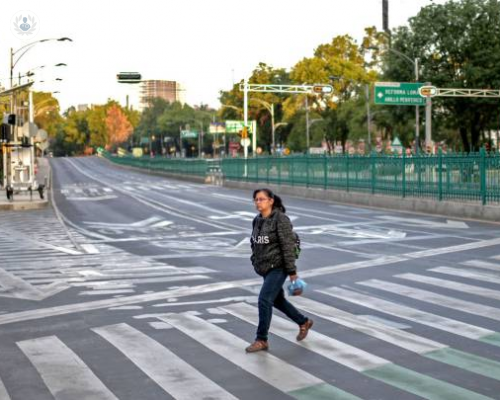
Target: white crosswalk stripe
{"points": [[170, 372], [457, 286], [3, 392], [476, 275], [435, 298], [406, 340], [409, 313], [335, 350], [67, 376], [483, 264], [265, 366], [64, 373]]}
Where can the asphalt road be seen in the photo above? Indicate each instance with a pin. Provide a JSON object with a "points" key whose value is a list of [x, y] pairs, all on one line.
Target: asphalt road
{"points": [[136, 287]]}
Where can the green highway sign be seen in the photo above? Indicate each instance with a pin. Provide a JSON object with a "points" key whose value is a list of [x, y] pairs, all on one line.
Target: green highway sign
{"points": [[237, 126], [398, 94], [189, 134]]}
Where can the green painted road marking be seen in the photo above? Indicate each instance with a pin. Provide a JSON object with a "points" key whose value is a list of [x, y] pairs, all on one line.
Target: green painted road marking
{"points": [[421, 385], [491, 339], [322, 391], [467, 361]]}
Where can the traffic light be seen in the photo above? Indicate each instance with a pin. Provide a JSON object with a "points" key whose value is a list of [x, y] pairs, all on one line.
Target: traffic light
{"points": [[244, 133], [5, 133], [322, 89], [9, 119], [129, 77], [25, 142]]}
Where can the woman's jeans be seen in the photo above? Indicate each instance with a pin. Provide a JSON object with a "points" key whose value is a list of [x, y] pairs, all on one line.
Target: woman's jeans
{"points": [[272, 294]]}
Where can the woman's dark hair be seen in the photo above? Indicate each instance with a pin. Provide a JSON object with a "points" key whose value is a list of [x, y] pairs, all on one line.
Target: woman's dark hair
{"points": [[278, 203]]}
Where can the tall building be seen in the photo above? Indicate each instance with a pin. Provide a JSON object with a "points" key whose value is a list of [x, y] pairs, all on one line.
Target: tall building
{"points": [[168, 90]]}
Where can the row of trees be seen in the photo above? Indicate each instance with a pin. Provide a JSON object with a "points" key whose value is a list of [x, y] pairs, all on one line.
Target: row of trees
{"points": [[457, 44], [80, 131]]}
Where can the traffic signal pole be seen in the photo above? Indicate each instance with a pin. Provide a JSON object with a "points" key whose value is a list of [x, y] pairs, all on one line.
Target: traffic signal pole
{"points": [[319, 89], [245, 115]]}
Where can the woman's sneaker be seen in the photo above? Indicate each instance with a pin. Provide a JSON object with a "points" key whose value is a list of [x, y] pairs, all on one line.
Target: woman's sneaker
{"points": [[304, 329]]}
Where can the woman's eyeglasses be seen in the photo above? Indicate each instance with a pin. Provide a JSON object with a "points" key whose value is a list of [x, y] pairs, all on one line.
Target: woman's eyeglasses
{"points": [[260, 199]]}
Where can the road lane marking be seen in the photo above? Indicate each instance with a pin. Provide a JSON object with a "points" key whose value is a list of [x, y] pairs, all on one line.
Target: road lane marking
{"points": [[411, 314], [3, 392], [322, 271], [171, 373], [337, 351], [482, 264], [268, 368], [383, 370], [18, 288], [153, 203], [64, 373], [406, 340], [434, 298], [459, 287], [470, 274]]}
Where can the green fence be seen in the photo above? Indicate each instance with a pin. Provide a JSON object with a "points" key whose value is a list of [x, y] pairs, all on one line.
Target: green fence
{"points": [[459, 177], [181, 166]]}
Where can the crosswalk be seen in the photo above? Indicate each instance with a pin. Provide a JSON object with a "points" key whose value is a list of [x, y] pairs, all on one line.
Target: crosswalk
{"points": [[386, 362], [96, 274], [44, 257]]}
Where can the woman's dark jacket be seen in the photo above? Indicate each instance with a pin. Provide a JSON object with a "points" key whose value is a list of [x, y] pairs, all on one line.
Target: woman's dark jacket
{"points": [[273, 243]]}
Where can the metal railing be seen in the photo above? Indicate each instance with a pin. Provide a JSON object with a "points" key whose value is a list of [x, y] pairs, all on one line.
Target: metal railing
{"points": [[459, 177], [473, 177], [181, 166]]}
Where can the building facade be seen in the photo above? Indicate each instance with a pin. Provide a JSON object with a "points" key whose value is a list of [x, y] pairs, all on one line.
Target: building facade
{"points": [[168, 90]]}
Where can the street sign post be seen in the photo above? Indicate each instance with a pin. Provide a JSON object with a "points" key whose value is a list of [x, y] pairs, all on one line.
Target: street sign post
{"points": [[398, 94]]}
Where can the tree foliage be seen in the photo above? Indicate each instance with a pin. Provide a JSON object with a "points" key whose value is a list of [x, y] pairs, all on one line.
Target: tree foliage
{"points": [[118, 126], [458, 46]]}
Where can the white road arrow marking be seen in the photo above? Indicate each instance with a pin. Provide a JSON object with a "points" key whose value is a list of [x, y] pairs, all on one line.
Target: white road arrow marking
{"points": [[355, 232], [17, 288], [426, 223]]}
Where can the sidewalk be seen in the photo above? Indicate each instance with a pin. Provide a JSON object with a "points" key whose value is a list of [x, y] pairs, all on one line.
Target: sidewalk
{"points": [[22, 201]]}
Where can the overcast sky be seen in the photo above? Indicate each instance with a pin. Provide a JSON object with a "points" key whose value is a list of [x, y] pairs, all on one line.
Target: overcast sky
{"points": [[203, 44]]}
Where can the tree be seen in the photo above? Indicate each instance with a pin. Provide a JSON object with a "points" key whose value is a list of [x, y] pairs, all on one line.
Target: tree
{"points": [[458, 44], [118, 126], [232, 102], [97, 125], [344, 60]]}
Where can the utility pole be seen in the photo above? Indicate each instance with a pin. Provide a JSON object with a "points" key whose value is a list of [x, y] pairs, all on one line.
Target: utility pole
{"points": [[368, 117], [245, 115], [417, 114], [307, 124], [385, 16]]}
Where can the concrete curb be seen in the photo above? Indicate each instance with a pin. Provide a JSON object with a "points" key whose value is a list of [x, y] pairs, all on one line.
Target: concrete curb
{"points": [[23, 205], [416, 205]]}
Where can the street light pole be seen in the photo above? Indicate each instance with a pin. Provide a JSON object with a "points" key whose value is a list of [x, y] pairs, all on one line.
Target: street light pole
{"points": [[307, 124], [245, 115], [270, 108], [273, 143], [417, 114], [368, 117], [26, 48]]}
